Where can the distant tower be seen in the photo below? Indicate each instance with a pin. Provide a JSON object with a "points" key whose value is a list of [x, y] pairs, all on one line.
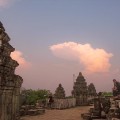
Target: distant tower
{"points": [[80, 90], [60, 92], [91, 91], [9, 82]]}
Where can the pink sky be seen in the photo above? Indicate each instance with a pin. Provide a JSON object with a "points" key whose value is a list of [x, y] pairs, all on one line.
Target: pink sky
{"points": [[56, 39], [73, 58]]}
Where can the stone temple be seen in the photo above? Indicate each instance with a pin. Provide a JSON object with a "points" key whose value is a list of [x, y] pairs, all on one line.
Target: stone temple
{"points": [[80, 90], [91, 90], [59, 92], [9, 82]]}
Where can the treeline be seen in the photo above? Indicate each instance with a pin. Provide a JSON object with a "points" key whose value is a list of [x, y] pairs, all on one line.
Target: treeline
{"points": [[30, 97], [107, 93]]}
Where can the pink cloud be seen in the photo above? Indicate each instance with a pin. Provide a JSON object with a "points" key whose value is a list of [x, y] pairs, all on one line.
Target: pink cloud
{"points": [[18, 56], [93, 59]]}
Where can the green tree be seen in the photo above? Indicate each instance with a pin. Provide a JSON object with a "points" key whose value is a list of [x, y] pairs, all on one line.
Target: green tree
{"points": [[31, 96], [107, 93]]}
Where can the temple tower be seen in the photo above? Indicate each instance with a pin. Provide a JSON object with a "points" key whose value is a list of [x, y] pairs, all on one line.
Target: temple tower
{"points": [[91, 92], [9, 82], [60, 92], [80, 90]]}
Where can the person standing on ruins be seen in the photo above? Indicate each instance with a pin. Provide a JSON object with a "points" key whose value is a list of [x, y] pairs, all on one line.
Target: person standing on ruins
{"points": [[116, 88]]}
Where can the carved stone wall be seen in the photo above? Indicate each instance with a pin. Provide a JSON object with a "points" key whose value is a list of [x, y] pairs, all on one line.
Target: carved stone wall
{"points": [[9, 82]]}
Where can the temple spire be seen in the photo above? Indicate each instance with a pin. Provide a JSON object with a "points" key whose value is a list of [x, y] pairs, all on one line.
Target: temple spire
{"points": [[80, 90], [60, 92], [80, 74]]}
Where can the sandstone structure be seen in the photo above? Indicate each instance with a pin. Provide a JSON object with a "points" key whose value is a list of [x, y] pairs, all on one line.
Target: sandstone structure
{"points": [[60, 92], [9, 82], [80, 90], [91, 92], [64, 103]]}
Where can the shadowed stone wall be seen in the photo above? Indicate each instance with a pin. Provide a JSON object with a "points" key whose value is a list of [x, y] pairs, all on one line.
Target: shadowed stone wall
{"points": [[9, 82]]}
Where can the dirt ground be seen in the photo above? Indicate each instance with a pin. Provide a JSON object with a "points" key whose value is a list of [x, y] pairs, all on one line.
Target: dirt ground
{"points": [[67, 114]]}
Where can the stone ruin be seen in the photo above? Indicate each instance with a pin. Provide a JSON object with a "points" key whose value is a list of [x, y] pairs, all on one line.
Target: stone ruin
{"points": [[107, 108], [60, 102], [80, 90], [91, 90], [59, 92], [91, 93], [31, 110], [82, 93], [10, 83]]}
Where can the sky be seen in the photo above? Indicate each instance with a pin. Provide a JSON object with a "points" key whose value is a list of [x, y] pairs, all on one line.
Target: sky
{"points": [[54, 40]]}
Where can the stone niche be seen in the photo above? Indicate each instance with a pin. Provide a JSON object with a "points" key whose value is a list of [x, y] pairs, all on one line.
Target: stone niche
{"points": [[9, 82]]}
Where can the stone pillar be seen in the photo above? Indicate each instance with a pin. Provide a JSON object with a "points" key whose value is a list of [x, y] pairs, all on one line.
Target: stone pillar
{"points": [[9, 82]]}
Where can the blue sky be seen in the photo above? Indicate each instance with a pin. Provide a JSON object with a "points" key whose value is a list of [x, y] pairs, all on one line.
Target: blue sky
{"points": [[35, 25]]}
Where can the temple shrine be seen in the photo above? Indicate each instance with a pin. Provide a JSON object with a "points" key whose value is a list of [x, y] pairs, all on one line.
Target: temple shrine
{"points": [[80, 90], [60, 92]]}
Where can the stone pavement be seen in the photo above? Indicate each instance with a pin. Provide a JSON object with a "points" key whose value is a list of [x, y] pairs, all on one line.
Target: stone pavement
{"points": [[66, 114]]}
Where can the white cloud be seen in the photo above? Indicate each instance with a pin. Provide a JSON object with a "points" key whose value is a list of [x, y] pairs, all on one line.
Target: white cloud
{"points": [[18, 56], [94, 60]]}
